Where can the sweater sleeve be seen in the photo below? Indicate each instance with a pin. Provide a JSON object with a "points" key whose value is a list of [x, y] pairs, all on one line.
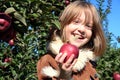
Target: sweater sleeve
{"points": [[47, 68]]}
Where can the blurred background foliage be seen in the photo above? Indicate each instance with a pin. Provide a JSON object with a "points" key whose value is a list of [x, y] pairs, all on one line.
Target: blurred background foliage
{"points": [[22, 44]]}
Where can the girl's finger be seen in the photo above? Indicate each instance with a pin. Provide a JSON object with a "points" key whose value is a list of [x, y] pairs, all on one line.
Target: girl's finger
{"points": [[58, 56], [69, 61], [62, 58]]}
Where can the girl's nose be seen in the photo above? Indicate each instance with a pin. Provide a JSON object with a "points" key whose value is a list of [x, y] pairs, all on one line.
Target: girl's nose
{"points": [[81, 29]]}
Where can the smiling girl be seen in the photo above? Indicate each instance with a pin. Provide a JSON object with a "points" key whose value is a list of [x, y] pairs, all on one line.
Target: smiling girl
{"points": [[80, 26]]}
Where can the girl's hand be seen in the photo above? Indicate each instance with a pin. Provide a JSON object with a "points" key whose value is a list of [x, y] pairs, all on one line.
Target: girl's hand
{"points": [[68, 65]]}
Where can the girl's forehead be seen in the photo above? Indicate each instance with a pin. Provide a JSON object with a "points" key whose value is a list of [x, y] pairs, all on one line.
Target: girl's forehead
{"points": [[80, 16], [84, 16]]}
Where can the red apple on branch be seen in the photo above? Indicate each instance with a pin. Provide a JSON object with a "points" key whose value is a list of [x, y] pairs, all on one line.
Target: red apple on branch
{"points": [[67, 2], [7, 59], [69, 49], [11, 42], [7, 31], [5, 22], [116, 76]]}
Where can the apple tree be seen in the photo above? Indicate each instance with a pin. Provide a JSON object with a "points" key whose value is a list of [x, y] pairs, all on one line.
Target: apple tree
{"points": [[24, 27]]}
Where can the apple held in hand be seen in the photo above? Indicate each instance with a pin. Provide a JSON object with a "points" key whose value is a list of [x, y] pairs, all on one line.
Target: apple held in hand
{"points": [[69, 49], [116, 76]]}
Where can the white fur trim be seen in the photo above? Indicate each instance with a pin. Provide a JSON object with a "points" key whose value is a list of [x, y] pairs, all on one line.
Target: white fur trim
{"points": [[50, 72], [55, 46], [84, 56]]}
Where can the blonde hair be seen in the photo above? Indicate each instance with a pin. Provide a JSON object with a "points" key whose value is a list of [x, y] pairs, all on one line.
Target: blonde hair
{"points": [[74, 9]]}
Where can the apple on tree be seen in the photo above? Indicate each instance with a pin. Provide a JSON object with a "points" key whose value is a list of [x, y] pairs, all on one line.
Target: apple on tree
{"points": [[11, 42], [7, 31], [67, 2], [7, 59], [116, 76], [69, 49], [5, 22]]}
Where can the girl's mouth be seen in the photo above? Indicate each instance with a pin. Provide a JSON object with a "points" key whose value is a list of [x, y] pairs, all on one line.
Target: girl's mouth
{"points": [[79, 37]]}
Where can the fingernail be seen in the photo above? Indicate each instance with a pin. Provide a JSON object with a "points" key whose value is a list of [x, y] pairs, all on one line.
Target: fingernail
{"points": [[65, 53], [60, 53]]}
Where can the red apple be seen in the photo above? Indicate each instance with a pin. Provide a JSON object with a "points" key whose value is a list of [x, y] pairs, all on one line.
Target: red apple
{"points": [[11, 42], [69, 49], [4, 25], [67, 2], [5, 22], [7, 59], [116, 76]]}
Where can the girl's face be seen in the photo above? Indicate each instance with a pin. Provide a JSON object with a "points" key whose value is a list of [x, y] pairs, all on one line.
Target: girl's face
{"points": [[78, 32]]}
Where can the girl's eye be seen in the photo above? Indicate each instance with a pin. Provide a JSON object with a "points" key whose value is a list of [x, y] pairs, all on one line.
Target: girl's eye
{"points": [[89, 26], [76, 21]]}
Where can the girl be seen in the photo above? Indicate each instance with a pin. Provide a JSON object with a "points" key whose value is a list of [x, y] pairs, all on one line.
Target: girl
{"points": [[80, 26]]}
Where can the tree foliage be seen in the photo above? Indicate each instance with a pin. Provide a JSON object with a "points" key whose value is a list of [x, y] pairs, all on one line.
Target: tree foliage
{"points": [[31, 19]]}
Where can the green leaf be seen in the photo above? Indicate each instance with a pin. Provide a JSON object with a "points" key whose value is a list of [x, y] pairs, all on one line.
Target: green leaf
{"points": [[20, 18], [10, 10], [56, 23]]}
